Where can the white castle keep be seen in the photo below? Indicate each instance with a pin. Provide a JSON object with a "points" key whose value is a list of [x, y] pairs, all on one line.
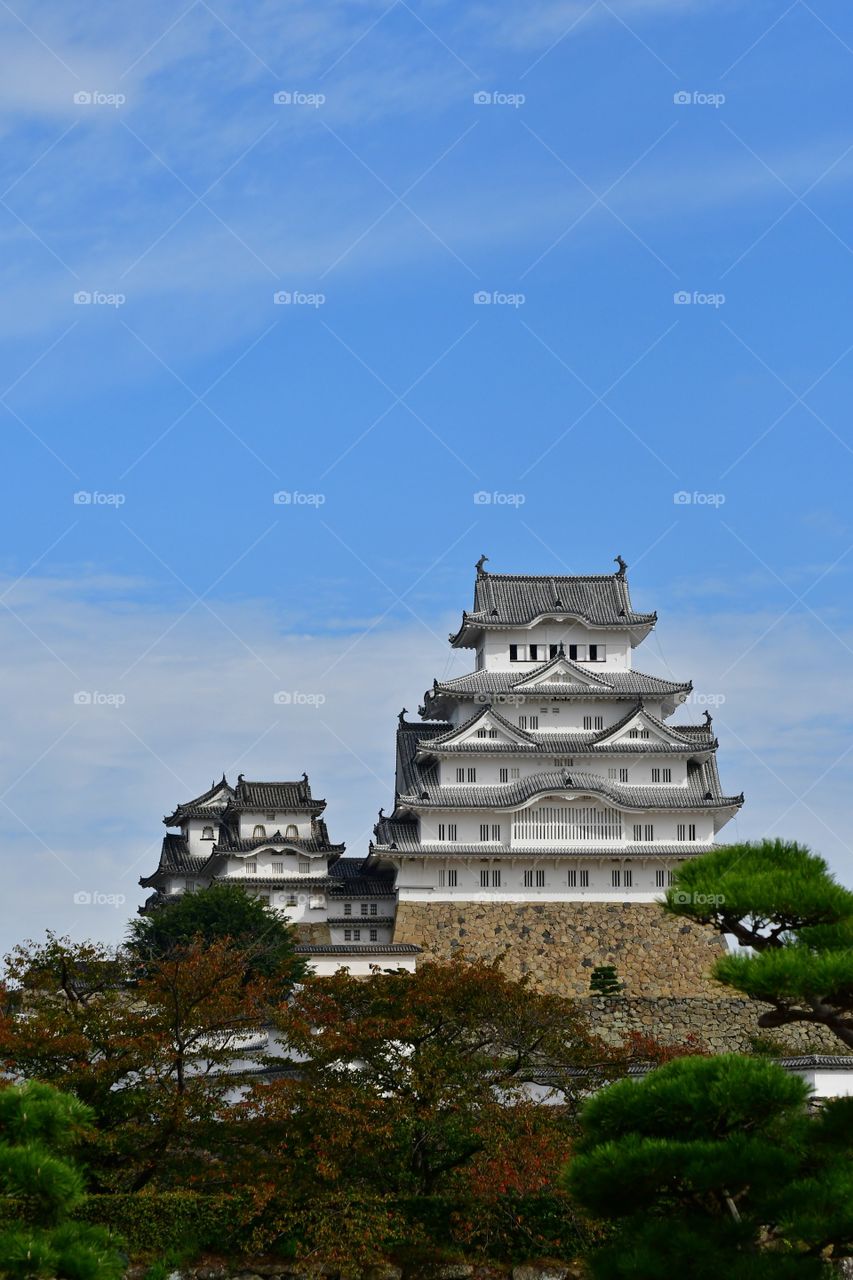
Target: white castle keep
{"points": [[549, 774]]}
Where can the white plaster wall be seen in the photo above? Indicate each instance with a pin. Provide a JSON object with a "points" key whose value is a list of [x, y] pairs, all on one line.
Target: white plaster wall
{"points": [[493, 653]]}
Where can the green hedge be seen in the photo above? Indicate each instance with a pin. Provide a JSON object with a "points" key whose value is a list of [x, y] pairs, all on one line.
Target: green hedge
{"points": [[165, 1221]]}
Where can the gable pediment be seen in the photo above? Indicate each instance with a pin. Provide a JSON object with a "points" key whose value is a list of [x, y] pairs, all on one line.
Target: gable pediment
{"points": [[642, 726], [561, 671]]}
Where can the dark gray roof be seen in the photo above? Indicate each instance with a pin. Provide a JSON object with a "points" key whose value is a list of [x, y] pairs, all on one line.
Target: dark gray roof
{"points": [[702, 791], [275, 795], [359, 921], [505, 600], [309, 884], [616, 684], [230, 843], [486, 850], [823, 1061], [210, 804], [175, 859], [359, 949], [353, 878]]}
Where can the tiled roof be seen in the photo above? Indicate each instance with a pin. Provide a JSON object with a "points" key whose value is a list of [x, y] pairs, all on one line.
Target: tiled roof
{"points": [[359, 921], [309, 884], [702, 791], [206, 805], [359, 949], [275, 795], [229, 843], [621, 684], [657, 851], [503, 600], [175, 859], [352, 878], [823, 1061]]}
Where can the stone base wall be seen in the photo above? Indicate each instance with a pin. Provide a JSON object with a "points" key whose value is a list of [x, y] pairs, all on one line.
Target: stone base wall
{"points": [[559, 943], [313, 934], [718, 1025]]}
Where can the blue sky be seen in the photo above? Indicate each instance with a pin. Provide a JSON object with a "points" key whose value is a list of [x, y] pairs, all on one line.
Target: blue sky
{"points": [[629, 152]]}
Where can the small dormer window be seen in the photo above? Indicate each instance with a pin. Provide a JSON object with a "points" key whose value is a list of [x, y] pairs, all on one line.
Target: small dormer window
{"points": [[207, 833], [291, 833], [259, 832]]}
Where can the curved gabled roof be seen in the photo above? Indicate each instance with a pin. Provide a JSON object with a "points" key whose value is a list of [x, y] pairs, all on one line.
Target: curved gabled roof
{"points": [[512, 600], [615, 684]]}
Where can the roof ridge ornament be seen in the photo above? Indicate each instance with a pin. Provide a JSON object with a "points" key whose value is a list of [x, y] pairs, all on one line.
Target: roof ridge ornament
{"points": [[482, 572], [401, 718], [709, 719], [620, 572]]}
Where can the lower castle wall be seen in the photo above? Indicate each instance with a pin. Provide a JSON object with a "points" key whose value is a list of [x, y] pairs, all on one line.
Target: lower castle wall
{"points": [[313, 934], [559, 944]]}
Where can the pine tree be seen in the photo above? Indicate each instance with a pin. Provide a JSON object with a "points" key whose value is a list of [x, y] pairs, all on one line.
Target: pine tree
{"points": [[778, 899], [38, 1127], [604, 981]]}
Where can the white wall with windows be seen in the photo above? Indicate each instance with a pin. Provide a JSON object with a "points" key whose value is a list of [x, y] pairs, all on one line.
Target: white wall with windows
{"points": [[541, 642], [508, 879]]}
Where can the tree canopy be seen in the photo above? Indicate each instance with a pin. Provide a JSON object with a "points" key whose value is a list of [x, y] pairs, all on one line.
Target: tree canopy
{"points": [[779, 900]]}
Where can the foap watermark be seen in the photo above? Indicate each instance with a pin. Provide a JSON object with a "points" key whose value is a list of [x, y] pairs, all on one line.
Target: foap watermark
{"points": [[483, 498], [496, 98], [97, 98], [95, 898], [294, 298], [697, 98], [94, 698], [293, 698], [294, 498], [296, 98], [696, 298], [705, 699], [683, 899], [505, 699], [94, 498], [97, 298], [495, 298], [684, 498]]}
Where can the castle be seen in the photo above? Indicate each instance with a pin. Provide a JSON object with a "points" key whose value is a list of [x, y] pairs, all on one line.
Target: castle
{"points": [[541, 805]]}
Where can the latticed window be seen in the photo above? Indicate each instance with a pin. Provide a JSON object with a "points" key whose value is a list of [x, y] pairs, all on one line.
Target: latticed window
{"points": [[553, 823], [292, 832], [259, 833]]}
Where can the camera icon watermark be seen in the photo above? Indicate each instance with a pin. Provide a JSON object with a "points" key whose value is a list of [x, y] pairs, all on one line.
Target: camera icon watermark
{"points": [[295, 498], [495, 298], [94, 698], [695, 297], [293, 298], [96, 98], [483, 498], [680, 898], [696, 98], [94, 898], [97, 298], [94, 498], [495, 98], [295, 98], [293, 698], [684, 498]]}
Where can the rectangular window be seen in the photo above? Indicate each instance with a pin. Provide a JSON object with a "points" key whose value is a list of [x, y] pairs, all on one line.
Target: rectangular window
{"points": [[528, 879], [513, 653], [460, 775], [597, 652], [573, 879], [374, 909], [623, 775], [503, 775], [484, 830], [686, 831], [553, 650], [496, 831], [356, 935], [648, 831], [540, 879], [496, 878], [587, 722], [452, 879], [577, 652], [442, 879], [364, 908], [447, 830], [598, 722], [615, 877], [472, 775], [638, 831], [291, 900], [534, 722], [534, 652], [347, 935], [611, 773], [584, 878], [515, 773], [670, 877], [347, 908], [278, 868], [304, 866], [667, 775], [484, 878], [655, 775], [374, 934], [451, 830], [660, 879], [629, 878], [251, 868], [522, 722]]}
